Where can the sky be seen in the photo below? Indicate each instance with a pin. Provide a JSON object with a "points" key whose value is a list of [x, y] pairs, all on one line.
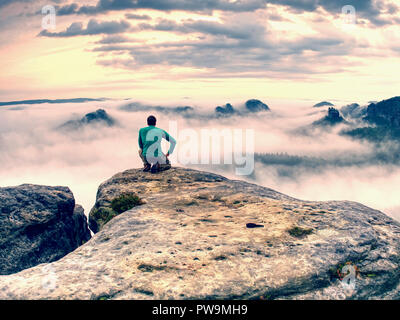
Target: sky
{"points": [[199, 50]]}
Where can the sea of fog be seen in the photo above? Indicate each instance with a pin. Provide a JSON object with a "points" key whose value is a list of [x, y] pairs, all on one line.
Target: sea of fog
{"points": [[291, 157]]}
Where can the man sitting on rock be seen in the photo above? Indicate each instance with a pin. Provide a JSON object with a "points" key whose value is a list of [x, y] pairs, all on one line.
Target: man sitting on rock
{"points": [[150, 151]]}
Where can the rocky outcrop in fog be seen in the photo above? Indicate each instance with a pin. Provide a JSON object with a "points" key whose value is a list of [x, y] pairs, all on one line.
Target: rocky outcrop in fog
{"points": [[331, 119], [99, 117], [381, 122], [385, 113], [251, 106], [254, 105], [226, 110]]}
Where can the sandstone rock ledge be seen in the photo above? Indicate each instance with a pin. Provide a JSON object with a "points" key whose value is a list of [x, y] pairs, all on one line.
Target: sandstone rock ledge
{"points": [[191, 240]]}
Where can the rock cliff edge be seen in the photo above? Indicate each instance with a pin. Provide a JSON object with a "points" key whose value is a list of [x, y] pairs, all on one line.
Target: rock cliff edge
{"points": [[197, 235]]}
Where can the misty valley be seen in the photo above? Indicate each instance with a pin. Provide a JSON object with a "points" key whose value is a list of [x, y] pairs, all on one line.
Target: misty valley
{"points": [[309, 151]]}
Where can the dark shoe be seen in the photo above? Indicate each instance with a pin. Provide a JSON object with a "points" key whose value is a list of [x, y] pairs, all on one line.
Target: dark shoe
{"points": [[165, 167], [155, 168], [147, 168]]}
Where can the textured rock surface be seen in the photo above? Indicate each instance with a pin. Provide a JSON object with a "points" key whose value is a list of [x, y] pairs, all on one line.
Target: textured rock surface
{"points": [[38, 224], [200, 235]]}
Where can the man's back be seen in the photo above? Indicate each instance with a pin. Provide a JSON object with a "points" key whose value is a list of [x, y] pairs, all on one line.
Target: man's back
{"points": [[150, 138]]}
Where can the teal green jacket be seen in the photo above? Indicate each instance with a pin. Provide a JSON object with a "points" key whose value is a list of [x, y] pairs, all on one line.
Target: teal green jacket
{"points": [[151, 137]]}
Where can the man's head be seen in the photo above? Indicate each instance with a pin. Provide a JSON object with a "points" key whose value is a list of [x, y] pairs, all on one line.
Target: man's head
{"points": [[151, 121]]}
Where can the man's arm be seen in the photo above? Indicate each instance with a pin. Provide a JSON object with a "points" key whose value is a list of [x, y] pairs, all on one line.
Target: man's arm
{"points": [[140, 140], [171, 141]]}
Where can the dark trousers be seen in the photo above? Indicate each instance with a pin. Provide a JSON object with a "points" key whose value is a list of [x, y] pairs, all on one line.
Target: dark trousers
{"points": [[163, 161]]}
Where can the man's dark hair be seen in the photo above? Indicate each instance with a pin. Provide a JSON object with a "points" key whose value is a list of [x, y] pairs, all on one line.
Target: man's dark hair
{"points": [[151, 121]]}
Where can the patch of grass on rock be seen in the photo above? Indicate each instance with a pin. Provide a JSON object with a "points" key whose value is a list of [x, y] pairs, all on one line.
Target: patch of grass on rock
{"points": [[104, 214], [299, 232], [186, 202], [125, 202], [150, 268], [220, 258]]}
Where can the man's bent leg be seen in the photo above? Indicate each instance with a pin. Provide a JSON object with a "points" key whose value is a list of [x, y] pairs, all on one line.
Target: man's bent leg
{"points": [[165, 164], [160, 163], [146, 165]]}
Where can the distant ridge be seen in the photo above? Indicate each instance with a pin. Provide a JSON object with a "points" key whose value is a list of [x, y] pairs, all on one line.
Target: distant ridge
{"points": [[98, 117], [323, 104], [77, 100]]}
